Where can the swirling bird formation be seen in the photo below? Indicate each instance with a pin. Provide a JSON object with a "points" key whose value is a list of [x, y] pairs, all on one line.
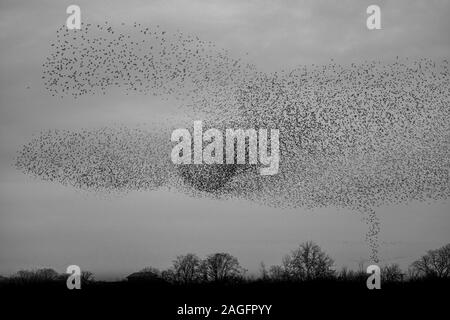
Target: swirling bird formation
{"points": [[353, 136]]}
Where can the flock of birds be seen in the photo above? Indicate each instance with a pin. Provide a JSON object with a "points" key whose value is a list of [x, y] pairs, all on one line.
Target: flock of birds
{"points": [[355, 136]]}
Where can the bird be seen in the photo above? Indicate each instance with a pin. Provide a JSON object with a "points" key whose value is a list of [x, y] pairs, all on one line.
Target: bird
{"points": [[356, 136]]}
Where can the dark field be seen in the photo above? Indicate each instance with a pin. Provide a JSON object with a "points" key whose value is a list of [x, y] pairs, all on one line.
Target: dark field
{"points": [[289, 300]]}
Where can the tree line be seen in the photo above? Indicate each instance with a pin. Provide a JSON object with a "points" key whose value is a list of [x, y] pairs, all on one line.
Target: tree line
{"points": [[305, 263]]}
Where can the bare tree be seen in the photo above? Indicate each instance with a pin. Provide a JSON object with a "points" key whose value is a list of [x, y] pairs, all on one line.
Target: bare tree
{"points": [[168, 276], [150, 274], [436, 263], [392, 273], [308, 262], [39, 275], [221, 267], [87, 277], [187, 268], [263, 271], [278, 273]]}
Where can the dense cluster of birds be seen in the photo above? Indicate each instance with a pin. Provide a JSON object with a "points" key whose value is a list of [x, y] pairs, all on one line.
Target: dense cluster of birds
{"points": [[354, 136]]}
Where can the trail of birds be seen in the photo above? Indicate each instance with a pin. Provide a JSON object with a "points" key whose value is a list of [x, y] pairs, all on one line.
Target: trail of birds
{"points": [[354, 136]]}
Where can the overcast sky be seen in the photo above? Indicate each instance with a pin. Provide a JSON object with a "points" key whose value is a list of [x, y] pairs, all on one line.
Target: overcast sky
{"points": [[46, 224]]}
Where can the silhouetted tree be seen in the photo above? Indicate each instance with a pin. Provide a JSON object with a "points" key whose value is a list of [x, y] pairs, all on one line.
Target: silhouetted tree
{"points": [[87, 277], [436, 263], [221, 267], [308, 262], [391, 273], [351, 275], [278, 273], [187, 268], [36, 276]]}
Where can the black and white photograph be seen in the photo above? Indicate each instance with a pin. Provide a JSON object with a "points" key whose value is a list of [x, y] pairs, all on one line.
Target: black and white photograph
{"points": [[225, 159]]}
